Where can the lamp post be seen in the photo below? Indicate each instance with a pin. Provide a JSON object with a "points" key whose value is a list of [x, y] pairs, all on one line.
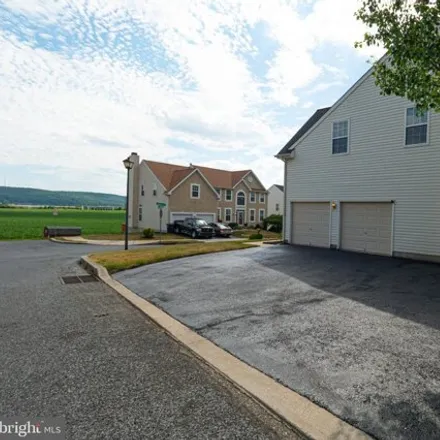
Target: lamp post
{"points": [[128, 164]]}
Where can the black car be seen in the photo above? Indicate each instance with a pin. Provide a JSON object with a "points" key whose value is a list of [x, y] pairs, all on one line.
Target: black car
{"points": [[194, 227], [221, 230]]}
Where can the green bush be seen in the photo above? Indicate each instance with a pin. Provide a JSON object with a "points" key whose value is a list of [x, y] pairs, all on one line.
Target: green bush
{"points": [[148, 233], [256, 237], [275, 221]]}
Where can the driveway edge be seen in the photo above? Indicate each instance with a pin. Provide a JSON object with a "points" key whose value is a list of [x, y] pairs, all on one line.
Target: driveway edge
{"points": [[301, 414]]}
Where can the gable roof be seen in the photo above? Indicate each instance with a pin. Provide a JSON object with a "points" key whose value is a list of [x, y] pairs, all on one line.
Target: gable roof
{"points": [[280, 187], [171, 175], [164, 171], [304, 129]]}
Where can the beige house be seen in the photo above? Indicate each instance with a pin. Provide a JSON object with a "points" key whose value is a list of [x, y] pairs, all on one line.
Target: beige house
{"points": [[208, 193]]}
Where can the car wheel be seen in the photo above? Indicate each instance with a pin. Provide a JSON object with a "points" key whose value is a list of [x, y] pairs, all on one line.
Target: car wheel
{"points": [[193, 234]]}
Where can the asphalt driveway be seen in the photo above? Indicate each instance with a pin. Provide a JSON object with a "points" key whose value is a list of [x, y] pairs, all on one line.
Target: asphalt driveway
{"points": [[357, 334]]}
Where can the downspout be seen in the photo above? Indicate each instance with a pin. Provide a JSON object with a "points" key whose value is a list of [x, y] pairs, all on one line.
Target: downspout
{"points": [[285, 200]]}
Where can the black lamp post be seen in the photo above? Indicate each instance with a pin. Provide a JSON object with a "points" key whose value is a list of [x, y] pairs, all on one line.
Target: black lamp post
{"points": [[128, 164]]}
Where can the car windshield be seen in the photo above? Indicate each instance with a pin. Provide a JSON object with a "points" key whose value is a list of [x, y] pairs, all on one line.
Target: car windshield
{"points": [[200, 222], [221, 226]]}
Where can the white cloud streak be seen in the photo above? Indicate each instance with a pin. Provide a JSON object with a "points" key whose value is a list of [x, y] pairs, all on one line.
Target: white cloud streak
{"points": [[194, 83]]}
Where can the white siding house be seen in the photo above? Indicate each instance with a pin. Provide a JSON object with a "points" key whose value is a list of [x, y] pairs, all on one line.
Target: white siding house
{"points": [[373, 178], [275, 200]]}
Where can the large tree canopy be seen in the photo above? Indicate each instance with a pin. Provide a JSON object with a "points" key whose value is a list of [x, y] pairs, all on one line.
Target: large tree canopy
{"points": [[409, 32]]}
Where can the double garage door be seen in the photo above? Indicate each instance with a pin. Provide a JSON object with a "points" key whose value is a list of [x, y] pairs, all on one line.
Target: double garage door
{"points": [[362, 227], [208, 217]]}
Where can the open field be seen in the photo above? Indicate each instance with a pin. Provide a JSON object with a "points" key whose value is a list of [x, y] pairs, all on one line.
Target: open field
{"points": [[122, 260], [22, 224]]}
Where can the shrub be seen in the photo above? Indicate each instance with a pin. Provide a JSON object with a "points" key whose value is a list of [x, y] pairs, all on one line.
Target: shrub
{"points": [[256, 237], [233, 225], [275, 221], [148, 233], [257, 226]]}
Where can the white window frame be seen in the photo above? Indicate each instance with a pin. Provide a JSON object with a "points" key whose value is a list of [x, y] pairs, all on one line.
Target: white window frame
{"points": [[226, 214], [236, 199], [140, 213], [191, 190], [219, 214], [255, 197], [259, 215], [277, 207], [262, 198], [341, 137], [415, 125], [252, 210], [226, 195]]}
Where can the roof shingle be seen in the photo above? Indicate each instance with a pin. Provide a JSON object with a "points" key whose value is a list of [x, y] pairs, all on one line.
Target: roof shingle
{"points": [[170, 175], [305, 128]]}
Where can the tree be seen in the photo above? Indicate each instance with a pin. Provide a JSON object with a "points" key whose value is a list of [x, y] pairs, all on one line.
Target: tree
{"points": [[409, 32]]}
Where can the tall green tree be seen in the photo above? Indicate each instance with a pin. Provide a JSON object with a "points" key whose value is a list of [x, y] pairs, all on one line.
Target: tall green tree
{"points": [[409, 32]]}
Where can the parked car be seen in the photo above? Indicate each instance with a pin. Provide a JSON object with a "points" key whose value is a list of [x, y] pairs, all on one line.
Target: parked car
{"points": [[194, 227], [221, 230]]}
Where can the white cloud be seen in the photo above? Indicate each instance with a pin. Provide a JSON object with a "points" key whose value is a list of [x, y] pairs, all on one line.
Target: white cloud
{"points": [[195, 85]]}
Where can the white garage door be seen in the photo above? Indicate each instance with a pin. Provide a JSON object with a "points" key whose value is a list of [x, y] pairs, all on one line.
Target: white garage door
{"points": [[366, 227], [208, 217], [311, 224]]}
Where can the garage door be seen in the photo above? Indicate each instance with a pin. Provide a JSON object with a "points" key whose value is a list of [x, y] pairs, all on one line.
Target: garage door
{"points": [[366, 227], [209, 217], [311, 224]]}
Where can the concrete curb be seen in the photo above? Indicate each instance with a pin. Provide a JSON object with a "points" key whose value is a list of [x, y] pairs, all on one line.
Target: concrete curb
{"points": [[120, 243], [308, 419]]}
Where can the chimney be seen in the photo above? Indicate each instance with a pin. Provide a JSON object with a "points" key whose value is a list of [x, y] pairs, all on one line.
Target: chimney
{"points": [[191, 166]]}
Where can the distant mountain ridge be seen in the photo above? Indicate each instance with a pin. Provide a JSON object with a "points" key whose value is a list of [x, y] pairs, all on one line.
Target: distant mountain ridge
{"points": [[31, 196]]}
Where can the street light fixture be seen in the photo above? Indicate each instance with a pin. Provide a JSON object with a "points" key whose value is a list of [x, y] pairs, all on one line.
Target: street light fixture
{"points": [[128, 164]]}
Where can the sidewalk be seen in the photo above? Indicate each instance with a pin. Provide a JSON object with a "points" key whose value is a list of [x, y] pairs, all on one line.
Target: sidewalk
{"points": [[82, 240]]}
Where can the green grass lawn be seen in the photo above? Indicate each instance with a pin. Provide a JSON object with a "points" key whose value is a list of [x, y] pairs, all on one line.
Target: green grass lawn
{"points": [[122, 260], [23, 223]]}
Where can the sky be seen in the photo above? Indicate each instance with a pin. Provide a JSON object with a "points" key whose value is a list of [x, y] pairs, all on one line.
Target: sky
{"points": [[219, 83]]}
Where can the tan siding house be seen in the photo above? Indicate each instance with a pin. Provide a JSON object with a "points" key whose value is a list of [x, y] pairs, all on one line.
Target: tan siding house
{"points": [[364, 176], [193, 191]]}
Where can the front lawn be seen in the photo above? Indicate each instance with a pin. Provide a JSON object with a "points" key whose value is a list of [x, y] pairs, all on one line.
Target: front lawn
{"points": [[123, 260]]}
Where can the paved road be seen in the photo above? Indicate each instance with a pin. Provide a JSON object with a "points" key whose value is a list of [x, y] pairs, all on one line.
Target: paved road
{"points": [[358, 334], [82, 352]]}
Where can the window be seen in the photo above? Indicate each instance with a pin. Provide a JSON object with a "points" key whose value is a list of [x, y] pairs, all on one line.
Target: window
{"points": [[252, 215], [416, 127], [140, 213], [340, 137], [228, 215], [154, 192], [261, 215], [277, 206], [228, 195], [219, 214], [142, 190], [241, 198], [262, 198], [252, 197], [195, 191]]}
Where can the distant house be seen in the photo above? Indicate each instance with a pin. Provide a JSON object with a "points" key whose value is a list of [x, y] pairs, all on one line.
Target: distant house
{"points": [[364, 175], [208, 193], [275, 200]]}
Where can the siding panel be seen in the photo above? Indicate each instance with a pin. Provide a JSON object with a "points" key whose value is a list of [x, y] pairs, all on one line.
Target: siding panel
{"points": [[378, 168]]}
